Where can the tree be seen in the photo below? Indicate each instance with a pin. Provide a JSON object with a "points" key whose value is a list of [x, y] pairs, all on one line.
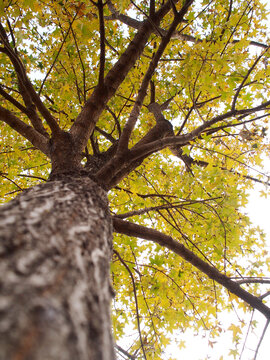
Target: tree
{"points": [[162, 106]]}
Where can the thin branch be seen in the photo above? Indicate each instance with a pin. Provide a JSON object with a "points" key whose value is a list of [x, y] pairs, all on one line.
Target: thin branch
{"points": [[174, 8], [185, 120], [102, 43], [152, 8], [161, 207], [146, 16], [119, 348], [76, 81], [145, 196], [131, 229], [227, 19], [251, 280], [12, 35], [222, 127], [82, 64], [246, 337], [178, 287], [264, 295], [246, 77], [13, 182], [24, 175], [116, 117], [152, 92], [145, 298], [111, 47], [248, 177], [59, 51], [105, 134], [175, 226], [32, 177], [136, 300], [127, 20], [237, 161], [261, 339]]}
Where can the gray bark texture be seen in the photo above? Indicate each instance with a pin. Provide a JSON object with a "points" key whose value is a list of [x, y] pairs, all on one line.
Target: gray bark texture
{"points": [[55, 292]]}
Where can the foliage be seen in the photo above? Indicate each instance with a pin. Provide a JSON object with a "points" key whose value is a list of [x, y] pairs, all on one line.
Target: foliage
{"points": [[215, 63]]}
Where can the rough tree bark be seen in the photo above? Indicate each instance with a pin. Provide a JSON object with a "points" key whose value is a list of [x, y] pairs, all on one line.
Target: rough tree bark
{"points": [[56, 242]]}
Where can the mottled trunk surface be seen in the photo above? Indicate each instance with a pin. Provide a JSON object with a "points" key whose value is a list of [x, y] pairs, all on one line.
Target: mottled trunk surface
{"points": [[55, 249]]}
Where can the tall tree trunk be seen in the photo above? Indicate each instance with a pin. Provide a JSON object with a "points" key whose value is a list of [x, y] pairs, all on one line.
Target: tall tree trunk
{"points": [[56, 242]]}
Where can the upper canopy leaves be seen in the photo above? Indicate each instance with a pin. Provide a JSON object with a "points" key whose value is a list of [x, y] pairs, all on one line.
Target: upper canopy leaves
{"points": [[76, 80]]}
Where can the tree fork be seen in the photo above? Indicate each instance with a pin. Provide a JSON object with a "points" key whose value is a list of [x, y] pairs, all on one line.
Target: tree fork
{"points": [[56, 244]]}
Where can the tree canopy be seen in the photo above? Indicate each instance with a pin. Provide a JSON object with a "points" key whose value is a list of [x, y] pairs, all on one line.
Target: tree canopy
{"points": [[166, 104]]}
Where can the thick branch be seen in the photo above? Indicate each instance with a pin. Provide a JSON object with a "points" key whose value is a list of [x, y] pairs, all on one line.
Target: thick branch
{"points": [[121, 166], [38, 140], [130, 229], [12, 100], [153, 141], [150, 148], [25, 82], [123, 143], [29, 111], [85, 122], [118, 167]]}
